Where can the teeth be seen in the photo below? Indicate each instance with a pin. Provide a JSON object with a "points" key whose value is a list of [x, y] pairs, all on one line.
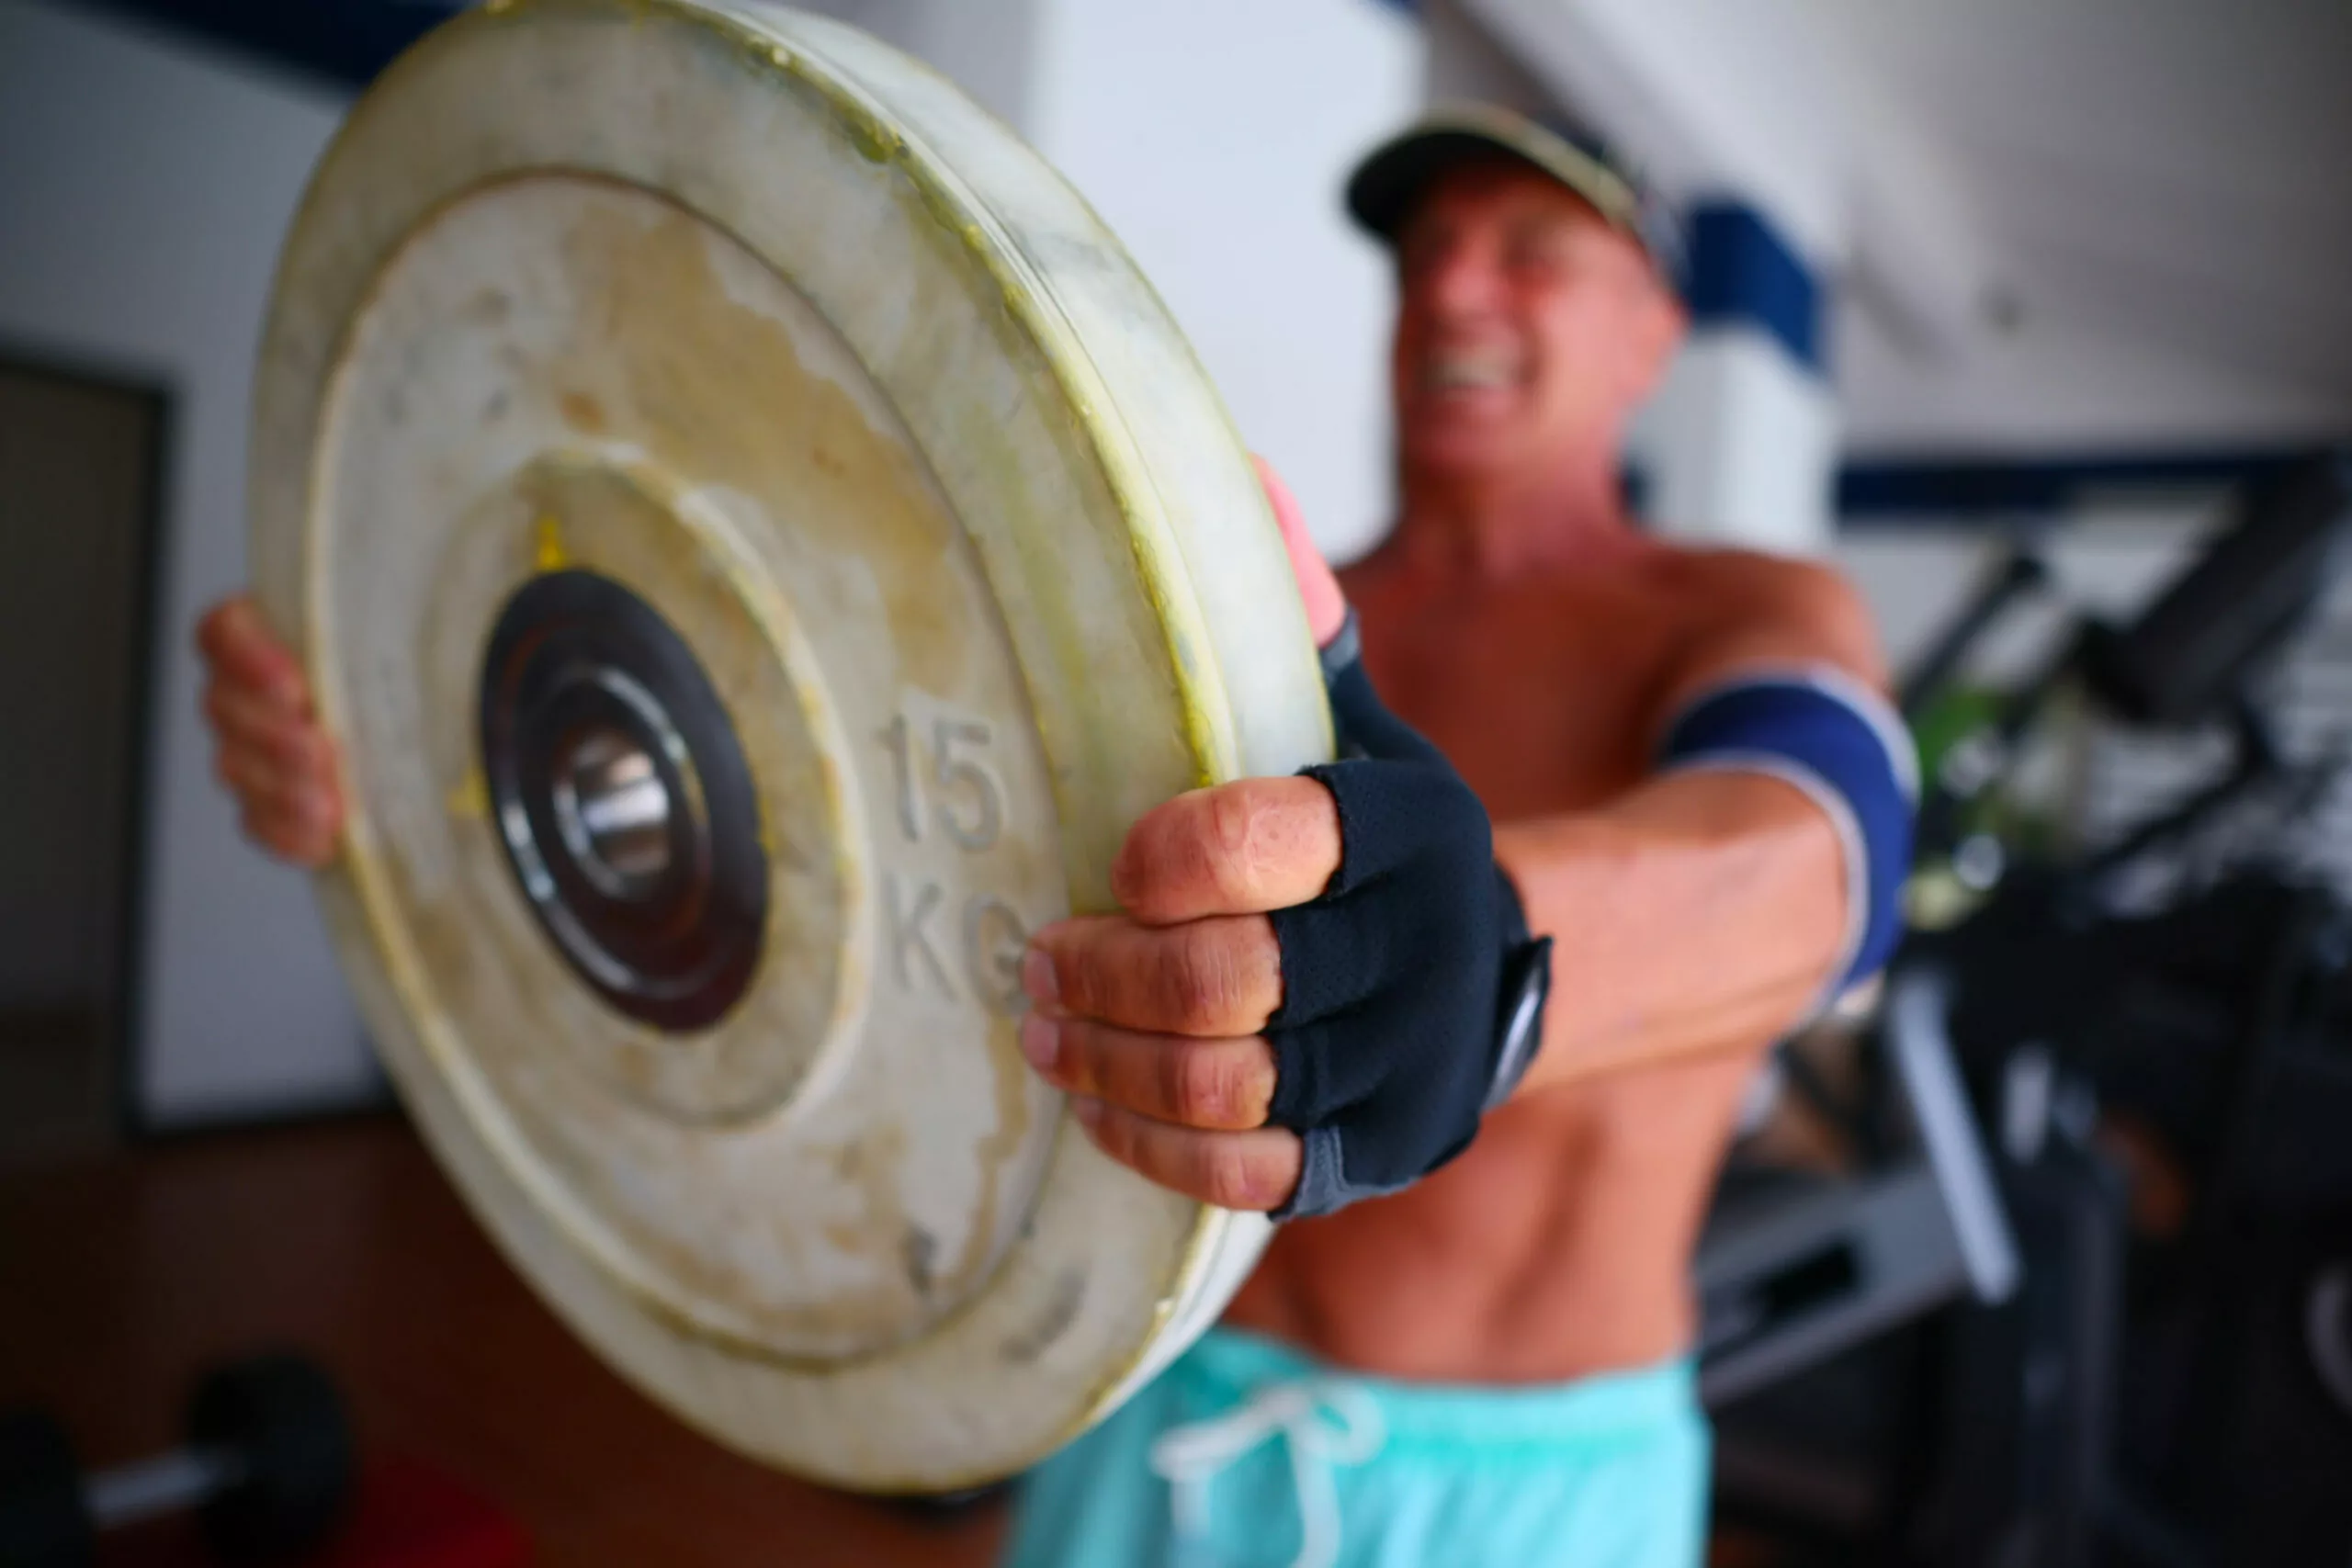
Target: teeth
{"points": [[1449, 371]]}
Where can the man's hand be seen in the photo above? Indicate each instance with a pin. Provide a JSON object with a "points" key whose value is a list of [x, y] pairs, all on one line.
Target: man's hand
{"points": [[1153, 1021], [1300, 1007], [273, 755]]}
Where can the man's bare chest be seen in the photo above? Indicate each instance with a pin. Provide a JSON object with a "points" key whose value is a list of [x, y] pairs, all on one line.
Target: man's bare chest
{"points": [[1542, 709]]}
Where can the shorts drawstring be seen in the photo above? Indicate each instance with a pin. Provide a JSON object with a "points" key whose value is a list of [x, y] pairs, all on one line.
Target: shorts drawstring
{"points": [[1191, 1457]]}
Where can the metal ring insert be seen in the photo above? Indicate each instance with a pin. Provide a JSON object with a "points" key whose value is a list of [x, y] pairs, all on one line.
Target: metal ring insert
{"points": [[623, 799], [614, 813]]}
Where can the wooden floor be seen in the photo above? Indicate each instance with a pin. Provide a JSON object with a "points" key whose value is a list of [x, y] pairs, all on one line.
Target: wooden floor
{"points": [[120, 1277]]}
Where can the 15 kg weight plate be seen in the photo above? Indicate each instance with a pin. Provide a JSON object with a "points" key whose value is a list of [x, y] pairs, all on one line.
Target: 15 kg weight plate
{"points": [[759, 543]]}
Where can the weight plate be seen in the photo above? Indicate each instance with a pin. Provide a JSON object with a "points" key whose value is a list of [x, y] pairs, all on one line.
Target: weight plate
{"points": [[760, 544]]}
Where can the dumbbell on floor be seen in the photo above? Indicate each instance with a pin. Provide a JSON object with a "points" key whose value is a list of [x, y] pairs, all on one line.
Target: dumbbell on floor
{"points": [[266, 1461]]}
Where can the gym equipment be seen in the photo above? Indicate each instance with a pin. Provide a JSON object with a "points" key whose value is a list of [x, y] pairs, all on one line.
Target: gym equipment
{"points": [[2183, 1411], [2166, 1089], [266, 1461], [2188, 657], [2019, 572], [1790, 1276], [761, 544]]}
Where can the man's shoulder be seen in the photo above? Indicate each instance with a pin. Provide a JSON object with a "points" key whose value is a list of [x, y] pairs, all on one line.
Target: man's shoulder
{"points": [[1757, 570], [1737, 595], [1779, 583]]}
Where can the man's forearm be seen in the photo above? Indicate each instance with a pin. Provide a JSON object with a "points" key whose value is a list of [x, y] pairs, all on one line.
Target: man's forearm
{"points": [[1700, 913]]}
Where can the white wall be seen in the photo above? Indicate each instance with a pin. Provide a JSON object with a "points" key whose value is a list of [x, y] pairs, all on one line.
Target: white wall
{"points": [[1214, 137], [1741, 444], [987, 47], [2056, 388], [143, 187]]}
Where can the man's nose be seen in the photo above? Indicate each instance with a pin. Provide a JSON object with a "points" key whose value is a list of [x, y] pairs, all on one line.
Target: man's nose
{"points": [[1463, 281]]}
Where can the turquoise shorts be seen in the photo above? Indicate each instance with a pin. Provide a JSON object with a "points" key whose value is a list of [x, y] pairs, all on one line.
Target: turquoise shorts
{"points": [[1247, 1452]]}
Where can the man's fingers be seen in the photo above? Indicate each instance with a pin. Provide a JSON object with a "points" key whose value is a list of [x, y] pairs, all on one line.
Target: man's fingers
{"points": [[1256, 1171], [1206, 978], [278, 807], [1243, 848], [1325, 606], [245, 718], [1223, 1085], [297, 837], [244, 653], [252, 774], [273, 755]]}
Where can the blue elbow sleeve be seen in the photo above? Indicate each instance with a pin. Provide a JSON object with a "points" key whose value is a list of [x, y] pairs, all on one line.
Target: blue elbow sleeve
{"points": [[1841, 743]]}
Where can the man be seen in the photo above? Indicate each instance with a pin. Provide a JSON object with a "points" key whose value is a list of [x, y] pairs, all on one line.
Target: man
{"points": [[1454, 1351]]}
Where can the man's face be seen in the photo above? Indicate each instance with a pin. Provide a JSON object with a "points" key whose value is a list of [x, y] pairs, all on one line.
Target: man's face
{"points": [[1527, 326]]}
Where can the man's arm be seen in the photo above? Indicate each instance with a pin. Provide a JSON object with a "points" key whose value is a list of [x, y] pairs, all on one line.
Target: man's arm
{"points": [[1702, 911], [1301, 1004]]}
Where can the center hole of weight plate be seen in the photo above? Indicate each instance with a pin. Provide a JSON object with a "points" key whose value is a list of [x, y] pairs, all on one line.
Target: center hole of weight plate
{"points": [[622, 798], [613, 812]]}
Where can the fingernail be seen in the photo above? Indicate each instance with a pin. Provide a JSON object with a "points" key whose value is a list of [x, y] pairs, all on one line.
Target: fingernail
{"points": [[1037, 979], [1041, 1041], [1088, 1110]]}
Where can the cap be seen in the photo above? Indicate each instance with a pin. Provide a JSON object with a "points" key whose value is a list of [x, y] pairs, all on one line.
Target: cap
{"points": [[1384, 187]]}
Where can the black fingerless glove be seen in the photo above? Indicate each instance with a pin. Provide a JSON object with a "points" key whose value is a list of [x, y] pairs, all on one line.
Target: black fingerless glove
{"points": [[1412, 995]]}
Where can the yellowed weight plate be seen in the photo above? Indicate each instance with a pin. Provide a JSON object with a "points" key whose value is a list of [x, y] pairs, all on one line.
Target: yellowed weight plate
{"points": [[739, 313]]}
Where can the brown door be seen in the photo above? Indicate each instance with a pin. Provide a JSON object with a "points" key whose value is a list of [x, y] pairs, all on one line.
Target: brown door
{"points": [[79, 459]]}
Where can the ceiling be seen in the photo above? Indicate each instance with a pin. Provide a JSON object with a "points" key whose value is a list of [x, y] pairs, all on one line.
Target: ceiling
{"points": [[2170, 181], [2152, 199]]}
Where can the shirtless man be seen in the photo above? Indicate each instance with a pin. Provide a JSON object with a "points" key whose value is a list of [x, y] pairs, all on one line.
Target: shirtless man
{"points": [[1695, 794]]}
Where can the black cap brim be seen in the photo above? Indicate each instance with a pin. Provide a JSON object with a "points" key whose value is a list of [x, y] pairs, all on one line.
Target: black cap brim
{"points": [[1383, 189]]}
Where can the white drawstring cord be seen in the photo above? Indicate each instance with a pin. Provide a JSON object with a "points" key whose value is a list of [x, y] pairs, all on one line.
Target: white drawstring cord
{"points": [[1191, 1457]]}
